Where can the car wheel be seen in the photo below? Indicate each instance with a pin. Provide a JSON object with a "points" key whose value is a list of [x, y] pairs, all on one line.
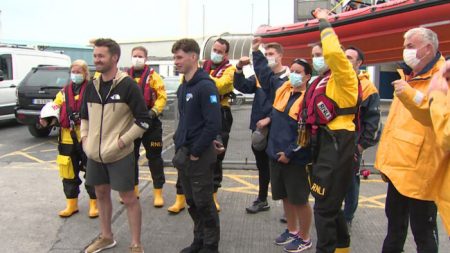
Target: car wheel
{"points": [[38, 131], [239, 100]]}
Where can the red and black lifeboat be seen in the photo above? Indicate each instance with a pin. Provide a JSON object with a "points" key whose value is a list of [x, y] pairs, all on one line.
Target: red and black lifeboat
{"points": [[378, 29]]}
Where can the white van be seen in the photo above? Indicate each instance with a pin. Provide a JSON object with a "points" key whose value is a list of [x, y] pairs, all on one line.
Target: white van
{"points": [[15, 63]]}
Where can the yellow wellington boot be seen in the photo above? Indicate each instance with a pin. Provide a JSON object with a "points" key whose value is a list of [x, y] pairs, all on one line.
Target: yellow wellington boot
{"points": [[158, 200], [136, 191], [216, 202], [93, 210], [178, 206], [71, 208], [342, 250]]}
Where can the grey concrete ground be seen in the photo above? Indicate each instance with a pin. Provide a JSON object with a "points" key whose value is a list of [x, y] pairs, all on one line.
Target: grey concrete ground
{"points": [[31, 196]]}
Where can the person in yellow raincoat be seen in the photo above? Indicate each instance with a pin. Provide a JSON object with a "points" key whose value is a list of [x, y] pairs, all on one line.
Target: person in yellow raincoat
{"points": [[71, 158], [408, 156], [440, 116]]}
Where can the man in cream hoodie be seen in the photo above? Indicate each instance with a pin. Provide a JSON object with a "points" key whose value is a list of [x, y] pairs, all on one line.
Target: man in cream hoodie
{"points": [[113, 115]]}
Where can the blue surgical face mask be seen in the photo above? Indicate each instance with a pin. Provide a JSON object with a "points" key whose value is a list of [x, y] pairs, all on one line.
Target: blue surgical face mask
{"points": [[216, 58], [296, 79], [76, 78], [319, 64]]}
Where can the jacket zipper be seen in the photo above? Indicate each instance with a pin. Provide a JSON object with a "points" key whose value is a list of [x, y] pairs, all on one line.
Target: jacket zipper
{"points": [[101, 122]]}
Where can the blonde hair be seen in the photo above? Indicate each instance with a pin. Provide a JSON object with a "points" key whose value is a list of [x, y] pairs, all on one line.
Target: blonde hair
{"points": [[84, 67]]}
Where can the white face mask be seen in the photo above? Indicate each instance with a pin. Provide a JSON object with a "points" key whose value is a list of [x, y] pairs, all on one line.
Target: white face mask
{"points": [[216, 58], [296, 79], [272, 62], [410, 57], [76, 78], [137, 62], [319, 64]]}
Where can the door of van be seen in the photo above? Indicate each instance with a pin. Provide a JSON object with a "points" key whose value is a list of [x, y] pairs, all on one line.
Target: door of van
{"points": [[7, 88]]}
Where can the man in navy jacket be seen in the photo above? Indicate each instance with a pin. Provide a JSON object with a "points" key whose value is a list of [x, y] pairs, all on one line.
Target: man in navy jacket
{"points": [[198, 126]]}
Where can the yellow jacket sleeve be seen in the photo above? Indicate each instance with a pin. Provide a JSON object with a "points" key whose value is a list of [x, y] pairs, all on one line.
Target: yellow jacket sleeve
{"points": [[225, 83], [417, 103], [414, 97], [157, 84], [59, 99], [344, 89], [440, 116]]}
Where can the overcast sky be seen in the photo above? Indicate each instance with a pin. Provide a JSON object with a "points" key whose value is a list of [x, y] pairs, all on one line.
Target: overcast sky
{"points": [[75, 22]]}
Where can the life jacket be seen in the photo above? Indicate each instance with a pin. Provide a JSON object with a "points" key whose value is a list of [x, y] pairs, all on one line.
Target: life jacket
{"points": [[149, 93], [317, 109], [217, 73], [72, 113]]}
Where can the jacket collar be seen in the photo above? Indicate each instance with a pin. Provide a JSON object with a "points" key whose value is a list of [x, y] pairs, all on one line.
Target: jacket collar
{"points": [[120, 75], [199, 75], [407, 70]]}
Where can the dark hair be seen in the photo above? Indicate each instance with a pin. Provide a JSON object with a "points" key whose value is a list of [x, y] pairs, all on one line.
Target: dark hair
{"points": [[113, 47], [277, 46], [317, 44], [140, 48], [224, 42], [187, 46], [305, 64], [361, 56]]}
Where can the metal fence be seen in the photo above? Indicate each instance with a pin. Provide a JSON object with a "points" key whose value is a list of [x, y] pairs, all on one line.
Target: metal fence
{"points": [[239, 154]]}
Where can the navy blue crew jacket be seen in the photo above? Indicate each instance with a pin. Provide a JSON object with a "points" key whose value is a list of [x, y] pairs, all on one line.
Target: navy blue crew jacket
{"points": [[200, 116]]}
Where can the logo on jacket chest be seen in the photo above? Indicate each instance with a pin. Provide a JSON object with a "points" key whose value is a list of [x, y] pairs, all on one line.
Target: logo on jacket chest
{"points": [[115, 97], [189, 96]]}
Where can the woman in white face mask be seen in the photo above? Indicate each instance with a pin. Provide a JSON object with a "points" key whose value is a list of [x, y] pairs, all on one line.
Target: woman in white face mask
{"points": [[300, 74], [287, 160], [71, 159]]}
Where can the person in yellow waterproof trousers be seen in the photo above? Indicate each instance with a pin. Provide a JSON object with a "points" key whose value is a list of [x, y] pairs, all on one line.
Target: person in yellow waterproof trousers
{"points": [[71, 159]]}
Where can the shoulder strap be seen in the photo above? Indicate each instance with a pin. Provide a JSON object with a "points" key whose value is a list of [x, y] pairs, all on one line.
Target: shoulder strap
{"points": [[73, 134]]}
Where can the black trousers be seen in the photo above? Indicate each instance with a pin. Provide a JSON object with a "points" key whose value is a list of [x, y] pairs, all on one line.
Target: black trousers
{"points": [[227, 122], [332, 170], [178, 185], [152, 141], [262, 163], [400, 210], [196, 178], [72, 186]]}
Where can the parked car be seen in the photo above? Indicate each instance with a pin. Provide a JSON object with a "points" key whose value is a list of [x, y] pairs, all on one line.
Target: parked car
{"points": [[39, 87], [15, 63]]}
